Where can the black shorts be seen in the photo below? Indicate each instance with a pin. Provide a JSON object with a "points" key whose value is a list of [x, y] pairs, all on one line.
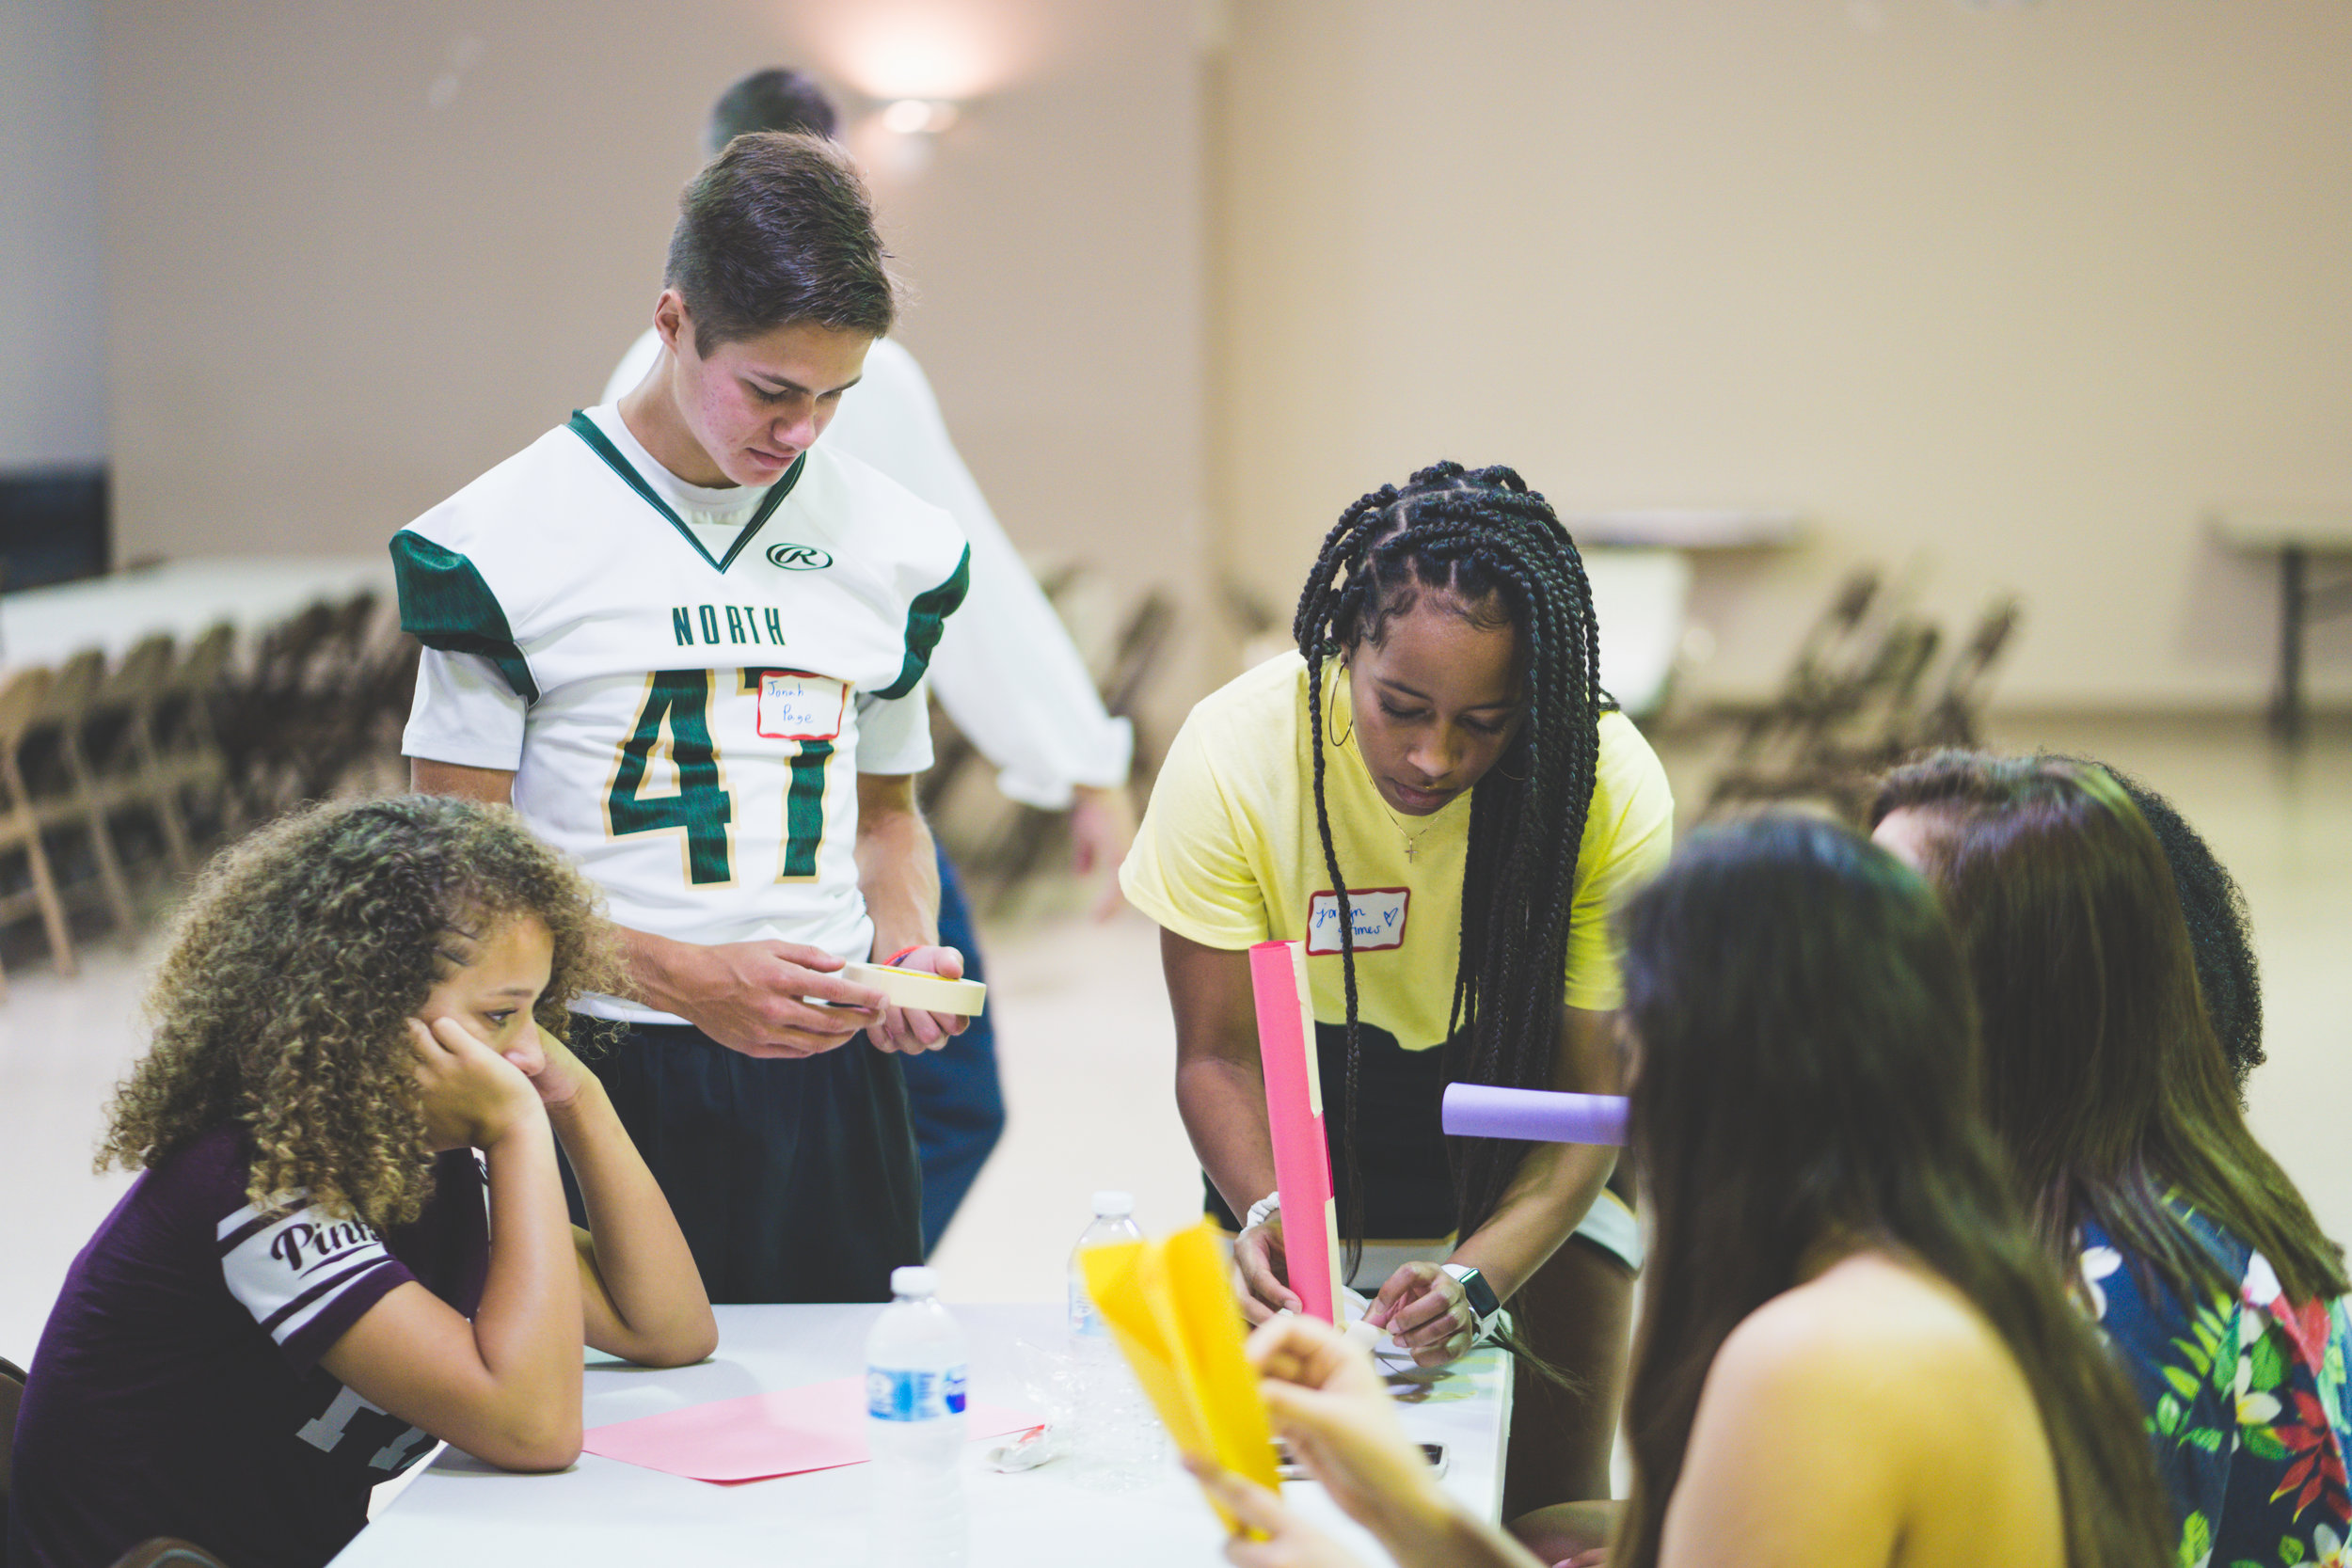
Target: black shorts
{"points": [[1400, 1141], [794, 1181]]}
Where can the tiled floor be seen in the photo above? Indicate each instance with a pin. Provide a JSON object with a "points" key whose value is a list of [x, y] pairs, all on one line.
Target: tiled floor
{"points": [[1088, 1048]]}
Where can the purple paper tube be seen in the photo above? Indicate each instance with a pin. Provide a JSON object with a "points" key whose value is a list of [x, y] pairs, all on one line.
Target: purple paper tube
{"points": [[1536, 1116]]}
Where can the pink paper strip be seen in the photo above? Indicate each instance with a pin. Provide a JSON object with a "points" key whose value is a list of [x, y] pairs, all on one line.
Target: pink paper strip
{"points": [[821, 1426], [1293, 1105]]}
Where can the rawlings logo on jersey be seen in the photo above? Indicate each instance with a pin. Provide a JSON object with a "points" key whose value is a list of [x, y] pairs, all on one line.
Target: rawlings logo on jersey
{"points": [[798, 558]]}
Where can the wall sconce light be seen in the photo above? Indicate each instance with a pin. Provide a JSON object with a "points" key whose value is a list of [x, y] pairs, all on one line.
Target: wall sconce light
{"points": [[918, 116]]}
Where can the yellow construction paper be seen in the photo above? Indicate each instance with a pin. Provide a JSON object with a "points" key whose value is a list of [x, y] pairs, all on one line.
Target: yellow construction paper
{"points": [[1172, 1311]]}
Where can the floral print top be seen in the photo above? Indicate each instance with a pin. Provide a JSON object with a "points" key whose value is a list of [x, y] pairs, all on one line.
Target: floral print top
{"points": [[2246, 1405]]}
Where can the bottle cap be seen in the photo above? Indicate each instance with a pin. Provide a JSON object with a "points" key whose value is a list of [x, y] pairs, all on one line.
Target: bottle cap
{"points": [[916, 1281], [1113, 1206]]}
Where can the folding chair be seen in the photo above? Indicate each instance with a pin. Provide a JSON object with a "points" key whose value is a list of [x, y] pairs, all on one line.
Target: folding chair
{"points": [[186, 741], [364, 700], [11, 1395], [1952, 717], [330, 722], [1828, 661], [63, 788], [119, 740], [23, 696], [258, 714]]}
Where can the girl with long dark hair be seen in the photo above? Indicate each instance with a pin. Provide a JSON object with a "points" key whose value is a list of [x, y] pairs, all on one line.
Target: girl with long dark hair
{"points": [[1853, 1354], [1435, 794], [2115, 1100]]}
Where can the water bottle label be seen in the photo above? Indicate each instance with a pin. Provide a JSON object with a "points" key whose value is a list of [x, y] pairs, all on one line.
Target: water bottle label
{"points": [[897, 1394], [1086, 1319]]}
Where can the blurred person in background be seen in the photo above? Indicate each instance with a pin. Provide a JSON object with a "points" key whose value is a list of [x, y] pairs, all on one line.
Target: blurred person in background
{"points": [[2108, 1087], [1005, 672]]}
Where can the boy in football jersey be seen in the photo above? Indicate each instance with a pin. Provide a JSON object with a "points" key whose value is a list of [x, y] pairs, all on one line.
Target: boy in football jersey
{"points": [[1007, 673], [689, 645]]}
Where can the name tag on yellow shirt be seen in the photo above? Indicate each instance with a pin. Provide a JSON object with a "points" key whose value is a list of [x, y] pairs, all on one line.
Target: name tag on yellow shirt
{"points": [[1379, 919]]}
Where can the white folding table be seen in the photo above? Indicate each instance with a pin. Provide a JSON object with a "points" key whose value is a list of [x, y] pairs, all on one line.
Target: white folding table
{"points": [[462, 1512], [49, 626]]}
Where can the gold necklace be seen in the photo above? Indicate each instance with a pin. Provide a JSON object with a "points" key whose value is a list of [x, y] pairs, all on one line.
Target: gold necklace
{"points": [[1412, 843]]}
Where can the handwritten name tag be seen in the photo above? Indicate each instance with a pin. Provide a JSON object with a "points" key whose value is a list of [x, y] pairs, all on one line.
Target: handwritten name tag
{"points": [[797, 707], [1379, 919]]}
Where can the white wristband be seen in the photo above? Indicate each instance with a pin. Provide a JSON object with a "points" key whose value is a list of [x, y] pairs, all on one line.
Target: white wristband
{"points": [[1263, 1210]]}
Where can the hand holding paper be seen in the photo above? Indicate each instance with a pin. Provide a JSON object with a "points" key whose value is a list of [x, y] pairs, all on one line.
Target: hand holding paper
{"points": [[1171, 1311], [1333, 1407]]}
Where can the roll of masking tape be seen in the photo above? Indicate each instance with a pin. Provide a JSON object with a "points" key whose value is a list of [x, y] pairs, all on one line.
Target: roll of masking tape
{"points": [[916, 987]]}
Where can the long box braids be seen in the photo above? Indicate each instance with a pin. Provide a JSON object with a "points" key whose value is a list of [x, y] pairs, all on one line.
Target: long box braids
{"points": [[1482, 536]]}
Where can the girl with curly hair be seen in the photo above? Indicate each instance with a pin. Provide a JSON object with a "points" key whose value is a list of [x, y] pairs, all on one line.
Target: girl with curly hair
{"points": [[301, 1291]]}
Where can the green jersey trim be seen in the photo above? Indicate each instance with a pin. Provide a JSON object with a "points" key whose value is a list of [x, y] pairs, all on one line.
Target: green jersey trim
{"points": [[927, 616], [598, 442], [444, 604]]}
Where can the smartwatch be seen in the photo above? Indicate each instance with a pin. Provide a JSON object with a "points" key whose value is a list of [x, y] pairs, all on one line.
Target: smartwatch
{"points": [[1483, 1304]]}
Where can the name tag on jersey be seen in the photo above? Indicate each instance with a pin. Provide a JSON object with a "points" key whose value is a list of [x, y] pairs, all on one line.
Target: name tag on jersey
{"points": [[1379, 919], [798, 706]]}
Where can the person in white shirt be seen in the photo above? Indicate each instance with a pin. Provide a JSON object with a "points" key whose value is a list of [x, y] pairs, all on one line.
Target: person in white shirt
{"points": [[689, 645], [1005, 672]]}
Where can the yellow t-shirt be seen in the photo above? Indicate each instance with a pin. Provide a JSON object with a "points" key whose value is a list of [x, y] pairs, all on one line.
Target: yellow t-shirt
{"points": [[1228, 855]]}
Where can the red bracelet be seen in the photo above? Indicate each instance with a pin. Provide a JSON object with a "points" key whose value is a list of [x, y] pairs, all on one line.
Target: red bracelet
{"points": [[892, 962]]}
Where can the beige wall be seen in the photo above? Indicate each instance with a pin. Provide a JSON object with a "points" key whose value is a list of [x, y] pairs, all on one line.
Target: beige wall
{"points": [[2021, 288], [363, 251], [52, 402]]}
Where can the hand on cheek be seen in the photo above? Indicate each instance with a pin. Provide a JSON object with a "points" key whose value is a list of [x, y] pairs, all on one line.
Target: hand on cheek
{"points": [[471, 1095], [548, 1063]]}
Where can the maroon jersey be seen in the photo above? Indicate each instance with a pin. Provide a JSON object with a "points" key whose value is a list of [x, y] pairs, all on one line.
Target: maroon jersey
{"points": [[177, 1390]]}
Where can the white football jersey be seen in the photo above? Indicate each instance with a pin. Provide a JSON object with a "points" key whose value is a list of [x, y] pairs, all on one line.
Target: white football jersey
{"points": [[686, 683]]}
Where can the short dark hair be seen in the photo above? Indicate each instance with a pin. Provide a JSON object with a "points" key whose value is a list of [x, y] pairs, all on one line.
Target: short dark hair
{"points": [[2221, 935], [777, 230], [777, 99]]}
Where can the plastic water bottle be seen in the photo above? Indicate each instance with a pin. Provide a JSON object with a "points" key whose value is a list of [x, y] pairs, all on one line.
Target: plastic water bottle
{"points": [[1118, 1442], [1114, 1221], [914, 1379]]}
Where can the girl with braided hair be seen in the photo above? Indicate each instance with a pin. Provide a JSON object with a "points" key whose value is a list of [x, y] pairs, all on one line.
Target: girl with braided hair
{"points": [[1435, 796]]}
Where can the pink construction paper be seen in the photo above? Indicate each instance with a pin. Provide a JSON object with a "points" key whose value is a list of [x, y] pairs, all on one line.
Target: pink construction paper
{"points": [[1294, 1106], [819, 1426]]}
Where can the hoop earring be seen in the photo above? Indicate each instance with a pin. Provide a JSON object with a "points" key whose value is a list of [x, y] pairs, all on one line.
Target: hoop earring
{"points": [[1337, 673], [1515, 778]]}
